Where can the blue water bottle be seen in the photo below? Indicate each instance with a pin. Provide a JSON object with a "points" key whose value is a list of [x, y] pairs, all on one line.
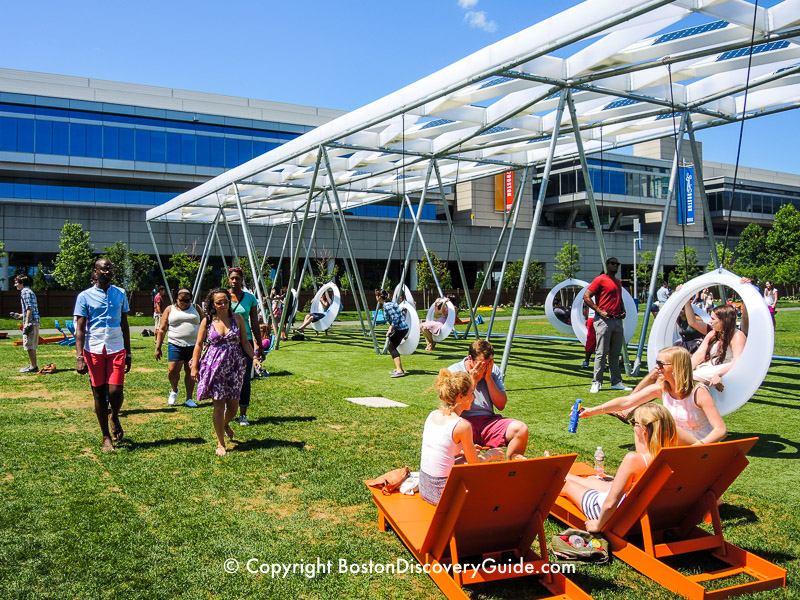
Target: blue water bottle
{"points": [[573, 420]]}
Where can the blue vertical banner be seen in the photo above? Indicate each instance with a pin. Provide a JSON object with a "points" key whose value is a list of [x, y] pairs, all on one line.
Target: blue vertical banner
{"points": [[686, 196]]}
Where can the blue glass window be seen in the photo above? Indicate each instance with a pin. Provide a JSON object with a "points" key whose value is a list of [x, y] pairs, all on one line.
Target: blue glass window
{"points": [[187, 149], [101, 195], [60, 138], [203, 151], [111, 142], [94, 141], [6, 189], [173, 148], [158, 146], [54, 192], [44, 137], [142, 144], [77, 139], [245, 150], [231, 154], [126, 144], [217, 147], [8, 134], [25, 129]]}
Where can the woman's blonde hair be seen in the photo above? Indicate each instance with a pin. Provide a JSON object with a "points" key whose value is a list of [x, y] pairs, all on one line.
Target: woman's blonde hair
{"points": [[682, 371], [450, 386], [658, 425]]}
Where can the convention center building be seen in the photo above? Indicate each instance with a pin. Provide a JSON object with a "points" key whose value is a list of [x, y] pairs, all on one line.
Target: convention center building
{"points": [[101, 153]]}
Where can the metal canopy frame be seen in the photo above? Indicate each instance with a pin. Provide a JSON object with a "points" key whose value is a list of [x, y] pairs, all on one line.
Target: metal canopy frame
{"points": [[503, 108]]}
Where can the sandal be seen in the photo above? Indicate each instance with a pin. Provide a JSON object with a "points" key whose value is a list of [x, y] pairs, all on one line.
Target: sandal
{"points": [[621, 416]]}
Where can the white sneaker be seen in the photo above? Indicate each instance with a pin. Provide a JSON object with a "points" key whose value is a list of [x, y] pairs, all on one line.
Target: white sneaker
{"points": [[596, 385], [621, 387], [173, 396]]}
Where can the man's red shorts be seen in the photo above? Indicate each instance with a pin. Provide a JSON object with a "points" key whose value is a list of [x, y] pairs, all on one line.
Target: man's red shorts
{"points": [[489, 430], [105, 368], [591, 337]]}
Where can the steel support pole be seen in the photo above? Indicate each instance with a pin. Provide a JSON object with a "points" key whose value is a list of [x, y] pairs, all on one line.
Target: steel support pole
{"points": [[534, 226], [515, 208], [425, 249], [698, 177], [158, 259], [296, 256], [391, 248], [266, 247], [461, 272], [349, 247], [673, 178], [347, 267], [197, 287], [283, 250], [251, 257], [311, 241], [503, 231], [221, 252], [234, 249], [598, 226], [415, 228]]}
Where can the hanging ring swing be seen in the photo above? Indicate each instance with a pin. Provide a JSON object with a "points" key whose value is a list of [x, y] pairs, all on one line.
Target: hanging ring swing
{"points": [[401, 289], [447, 326], [291, 307], [548, 304], [746, 376], [411, 341], [333, 310], [629, 323]]}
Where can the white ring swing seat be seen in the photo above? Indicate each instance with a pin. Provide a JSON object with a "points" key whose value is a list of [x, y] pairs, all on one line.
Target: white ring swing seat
{"points": [[401, 288], [447, 326], [747, 375], [548, 305], [411, 341], [333, 310], [629, 324], [292, 308]]}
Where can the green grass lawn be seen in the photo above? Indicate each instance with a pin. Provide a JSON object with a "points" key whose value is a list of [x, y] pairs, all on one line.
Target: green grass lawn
{"points": [[159, 517]]}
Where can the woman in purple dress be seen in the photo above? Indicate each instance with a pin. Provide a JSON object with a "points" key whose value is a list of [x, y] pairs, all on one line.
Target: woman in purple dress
{"points": [[220, 372]]}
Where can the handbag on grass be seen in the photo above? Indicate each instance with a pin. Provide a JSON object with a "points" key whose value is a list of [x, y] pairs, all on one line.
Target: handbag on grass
{"points": [[575, 545], [389, 482]]}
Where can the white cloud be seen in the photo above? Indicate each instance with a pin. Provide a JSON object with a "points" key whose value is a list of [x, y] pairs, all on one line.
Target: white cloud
{"points": [[477, 19], [467, 4]]}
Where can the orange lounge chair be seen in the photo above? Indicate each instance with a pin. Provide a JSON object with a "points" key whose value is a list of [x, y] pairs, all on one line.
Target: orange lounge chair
{"points": [[44, 340], [662, 512], [488, 513]]}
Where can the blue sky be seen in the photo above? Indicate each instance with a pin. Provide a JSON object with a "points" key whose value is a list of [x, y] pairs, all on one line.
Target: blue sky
{"points": [[332, 54]]}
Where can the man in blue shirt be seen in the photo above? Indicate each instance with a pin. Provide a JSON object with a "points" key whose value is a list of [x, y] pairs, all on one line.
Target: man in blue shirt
{"points": [[490, 429], [103, 347]]}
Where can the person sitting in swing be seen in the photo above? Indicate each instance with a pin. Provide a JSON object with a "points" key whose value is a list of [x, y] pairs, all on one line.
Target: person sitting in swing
{"points": [[325, 302], [432, 328]]}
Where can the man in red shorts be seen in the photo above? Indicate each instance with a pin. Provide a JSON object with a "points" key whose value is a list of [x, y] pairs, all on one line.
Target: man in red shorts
{"points": [[103, 347], [609, 313], [490, 429]]}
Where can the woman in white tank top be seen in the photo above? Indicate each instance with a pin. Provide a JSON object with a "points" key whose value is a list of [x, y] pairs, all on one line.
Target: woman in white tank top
{"points": [[180, 322], [653, 429], [690, 404], [447, 435]]}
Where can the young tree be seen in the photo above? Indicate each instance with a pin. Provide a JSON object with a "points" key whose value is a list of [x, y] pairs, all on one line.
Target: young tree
{"points": [[425, 278], [783, 240], [566, 263], [75, 259], [534, 280], [247, 272], [39, 283], [644, 270], [686, 268], [751, 251], [183, 270], [132, 270], [726, 258], [480, 276]]}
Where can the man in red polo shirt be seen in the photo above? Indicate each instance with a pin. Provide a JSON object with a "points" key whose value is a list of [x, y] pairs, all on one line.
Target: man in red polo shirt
{"points": [[609, 313]]}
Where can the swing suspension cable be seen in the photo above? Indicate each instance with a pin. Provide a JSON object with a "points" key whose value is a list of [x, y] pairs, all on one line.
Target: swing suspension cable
{"points": [[683, 209], [741, 134]]}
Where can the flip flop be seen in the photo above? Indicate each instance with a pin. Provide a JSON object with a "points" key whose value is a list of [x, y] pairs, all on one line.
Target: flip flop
{"points": [[621, 417]]}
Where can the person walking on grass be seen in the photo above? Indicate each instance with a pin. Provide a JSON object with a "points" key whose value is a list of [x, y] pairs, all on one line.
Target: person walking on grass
{"points": [[103, 347], [219, 372], [609, 313], [244, 304], [180, 322], [398, 329], [30, 321]]}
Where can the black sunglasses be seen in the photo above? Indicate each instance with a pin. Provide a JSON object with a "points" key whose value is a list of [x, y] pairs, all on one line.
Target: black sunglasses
{"points": [[182, 300], [661, 364], [614, 264], [634, 422]]}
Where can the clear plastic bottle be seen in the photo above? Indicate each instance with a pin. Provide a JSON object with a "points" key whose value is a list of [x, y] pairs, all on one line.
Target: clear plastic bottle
{"points": [[599, 462]]}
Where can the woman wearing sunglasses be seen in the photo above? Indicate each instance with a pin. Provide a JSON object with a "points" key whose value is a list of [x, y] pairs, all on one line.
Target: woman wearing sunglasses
{"points": [[220, 371], [689, 402], [179, 323], [653, 429]]}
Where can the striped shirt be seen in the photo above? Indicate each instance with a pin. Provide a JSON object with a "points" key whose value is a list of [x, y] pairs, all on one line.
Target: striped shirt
{"points": [[28, 301]]}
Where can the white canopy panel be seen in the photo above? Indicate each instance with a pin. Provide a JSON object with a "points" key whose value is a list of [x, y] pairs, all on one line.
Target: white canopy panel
{"points": [[631, 66]]}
